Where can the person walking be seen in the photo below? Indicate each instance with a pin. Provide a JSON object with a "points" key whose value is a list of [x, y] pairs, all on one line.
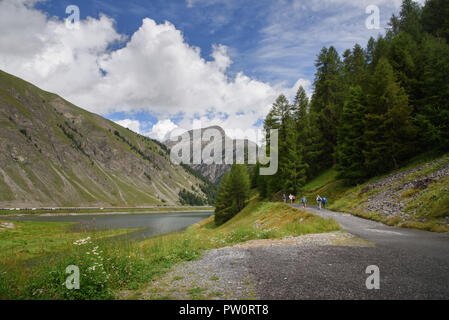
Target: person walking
{"points": [[318, 201], [291, 198], [304, 201], [324, 202], [284, 198]]}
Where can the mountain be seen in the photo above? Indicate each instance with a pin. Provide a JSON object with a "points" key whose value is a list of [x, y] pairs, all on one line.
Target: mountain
{"points": [[214, 172], [53, 153]]}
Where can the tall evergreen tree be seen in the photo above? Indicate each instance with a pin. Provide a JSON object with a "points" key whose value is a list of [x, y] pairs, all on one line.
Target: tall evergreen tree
{"points": [[232, 194], [409, 19], [432, 116], [435, 18], [281, 118], [354, 67], [351, 162], [300, 114], [388, 122], [224, 203], [327, 102]]}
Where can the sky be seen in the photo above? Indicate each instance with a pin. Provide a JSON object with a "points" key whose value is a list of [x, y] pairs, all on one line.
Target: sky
{"points": [[154, 66]]}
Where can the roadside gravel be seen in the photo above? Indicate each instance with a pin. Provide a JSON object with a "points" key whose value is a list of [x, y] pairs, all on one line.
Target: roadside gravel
{"points": [[225, 273]]}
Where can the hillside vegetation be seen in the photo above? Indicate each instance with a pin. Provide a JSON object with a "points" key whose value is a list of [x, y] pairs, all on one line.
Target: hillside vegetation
{"points": [[415, 196], [53, 153]]}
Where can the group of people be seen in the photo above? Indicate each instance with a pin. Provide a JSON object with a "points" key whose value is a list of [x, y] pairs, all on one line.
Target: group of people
{"points": [[321, 202]]}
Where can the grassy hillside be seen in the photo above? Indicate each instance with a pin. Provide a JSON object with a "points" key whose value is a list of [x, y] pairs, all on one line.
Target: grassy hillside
{"points": [[53, 153], [262, 220], [415, 196]]}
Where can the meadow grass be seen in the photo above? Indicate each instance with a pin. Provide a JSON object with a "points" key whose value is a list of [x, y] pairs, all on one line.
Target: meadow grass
{"points": [[32, 239]]}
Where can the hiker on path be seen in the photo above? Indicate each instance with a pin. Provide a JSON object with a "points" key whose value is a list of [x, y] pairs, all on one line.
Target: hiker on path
{"points": [[284, 198], [291, 198], [318, 201], [304, 201], [324, 201]]}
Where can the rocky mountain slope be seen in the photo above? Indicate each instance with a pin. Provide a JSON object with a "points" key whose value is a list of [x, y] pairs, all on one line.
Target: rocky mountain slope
{"points": [[53, 153], [214, 172]]}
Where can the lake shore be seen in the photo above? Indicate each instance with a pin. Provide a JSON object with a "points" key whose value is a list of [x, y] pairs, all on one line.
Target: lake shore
{"points": [[100, 211]]}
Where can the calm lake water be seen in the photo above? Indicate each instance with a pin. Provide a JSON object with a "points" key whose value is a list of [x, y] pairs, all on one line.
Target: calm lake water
{"points": [[154, 223]]}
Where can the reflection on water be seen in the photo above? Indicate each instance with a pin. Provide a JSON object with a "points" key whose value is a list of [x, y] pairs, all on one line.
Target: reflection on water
{"points": [[153, 223]]}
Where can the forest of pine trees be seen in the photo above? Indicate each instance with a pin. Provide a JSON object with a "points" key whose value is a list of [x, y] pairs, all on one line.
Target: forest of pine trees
{"points": [[372, 108]]}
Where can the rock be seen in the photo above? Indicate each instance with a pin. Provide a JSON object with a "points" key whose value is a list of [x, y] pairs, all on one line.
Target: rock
{"points": [[6, 225], [388, 202]]}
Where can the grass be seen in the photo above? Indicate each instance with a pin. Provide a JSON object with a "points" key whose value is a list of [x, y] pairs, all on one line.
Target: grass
{"points": [[261, 220], [325, 185], [431, 205], [326, 178], [32, 239], [130, 265]]}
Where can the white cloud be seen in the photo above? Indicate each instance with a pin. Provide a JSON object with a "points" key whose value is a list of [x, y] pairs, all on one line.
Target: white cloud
{"points": [[294, 32], [161, 130], [154, 71]]}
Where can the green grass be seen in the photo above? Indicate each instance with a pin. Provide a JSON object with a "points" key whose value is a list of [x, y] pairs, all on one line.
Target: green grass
{"points": [[325, 185], [327, 177], [32, 239], [430, 206]]}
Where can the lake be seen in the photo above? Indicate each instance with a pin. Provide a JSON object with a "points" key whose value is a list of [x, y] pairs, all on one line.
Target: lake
{"points": [[153, 223]]}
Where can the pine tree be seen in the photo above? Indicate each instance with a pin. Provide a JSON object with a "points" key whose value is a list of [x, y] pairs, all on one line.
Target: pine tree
{"points": [[388, 123], [232, 194], [354, 67], [435, 18], [223, 201], [409, 19], [432, 111], [301, 105], [280, 117], [403, 57], [350, 138], [317, 159], [327, 101], [240, 183]]}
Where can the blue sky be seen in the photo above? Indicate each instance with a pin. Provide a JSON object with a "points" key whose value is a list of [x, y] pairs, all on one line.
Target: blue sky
{"points": [[240, 25], [165, 63]]}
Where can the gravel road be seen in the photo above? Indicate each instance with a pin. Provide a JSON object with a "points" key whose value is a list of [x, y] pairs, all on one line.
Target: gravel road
{"points": [[413, 265]]}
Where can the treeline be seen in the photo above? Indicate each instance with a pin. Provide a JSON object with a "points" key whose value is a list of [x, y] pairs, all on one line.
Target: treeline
{"points": [[372, 108], [190, 198]]}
